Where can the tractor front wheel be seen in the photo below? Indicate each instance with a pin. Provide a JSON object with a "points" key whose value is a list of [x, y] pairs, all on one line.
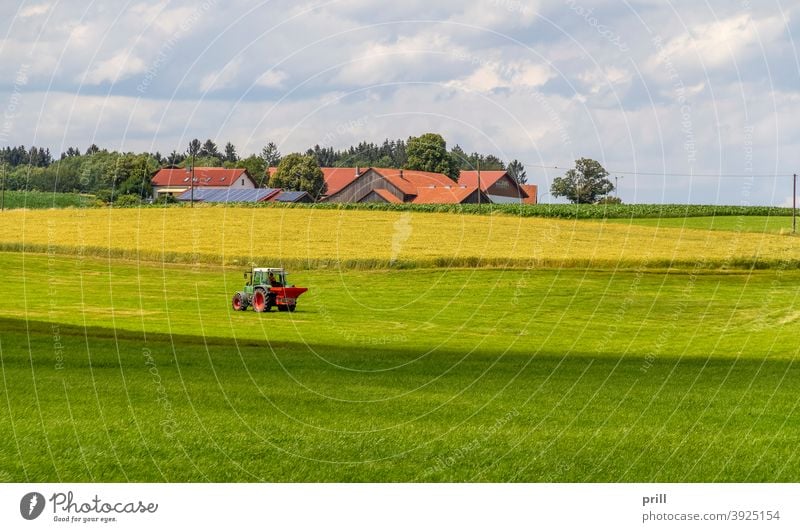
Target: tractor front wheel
{"points": [[260, 299], [239, 301]]}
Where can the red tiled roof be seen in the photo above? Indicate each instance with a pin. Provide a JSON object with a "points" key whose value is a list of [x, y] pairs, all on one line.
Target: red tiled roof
{"points": [[409, 181], [532, 191], [203, 177], [452, 194], [488, 178], [388, 196], [338, 178]]}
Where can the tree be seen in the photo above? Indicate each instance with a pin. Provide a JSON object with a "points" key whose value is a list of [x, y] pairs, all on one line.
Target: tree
{"points": [[194, 148], [271, 155], [429, 153], [461, 158], [230, 153], [174, 158], [92, 149], [299, 172], [517, 171], [209, 149], [324, 156], [585, 183], [609, 200], [255, 167]]}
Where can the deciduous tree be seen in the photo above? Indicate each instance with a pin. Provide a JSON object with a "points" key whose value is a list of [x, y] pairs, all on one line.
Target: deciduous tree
{"points": [[585, 183]]}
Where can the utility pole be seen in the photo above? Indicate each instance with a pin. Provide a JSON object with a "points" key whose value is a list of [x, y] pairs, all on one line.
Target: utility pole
{"points": [[794, 204], [192, 201], [191, 177], [479, 185], [3, 200]]}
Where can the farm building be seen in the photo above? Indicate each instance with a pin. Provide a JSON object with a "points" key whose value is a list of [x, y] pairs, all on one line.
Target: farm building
{"points": [[533, 194], [176, 181], [392, 185], [497, 184]]}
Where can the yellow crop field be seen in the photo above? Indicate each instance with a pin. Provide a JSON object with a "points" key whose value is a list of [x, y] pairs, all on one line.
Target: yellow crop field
{"points": [[314, 238]]}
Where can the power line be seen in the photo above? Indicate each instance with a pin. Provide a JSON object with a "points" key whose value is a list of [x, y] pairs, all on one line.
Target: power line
{"points": [[664, 174]]}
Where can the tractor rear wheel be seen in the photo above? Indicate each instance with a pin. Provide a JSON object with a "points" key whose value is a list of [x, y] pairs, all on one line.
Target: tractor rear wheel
{"points": [[239, 301], [260, 300], [290, 308]]}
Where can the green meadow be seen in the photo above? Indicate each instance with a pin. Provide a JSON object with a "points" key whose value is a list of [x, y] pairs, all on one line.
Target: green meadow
{"points": [[117, 370], [736, 224], [31, 199]]}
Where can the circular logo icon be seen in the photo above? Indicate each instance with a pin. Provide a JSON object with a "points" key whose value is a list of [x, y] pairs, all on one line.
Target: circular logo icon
{"points": [[31, 505]]}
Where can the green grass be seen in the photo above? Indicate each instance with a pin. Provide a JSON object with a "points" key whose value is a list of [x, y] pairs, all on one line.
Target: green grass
{"points": [[426, 375], [18, 199], [544, 210], [742, 223]]}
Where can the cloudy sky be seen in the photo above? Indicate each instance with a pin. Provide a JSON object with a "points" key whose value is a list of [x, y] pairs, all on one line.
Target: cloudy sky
{"points": [[657, 91]]}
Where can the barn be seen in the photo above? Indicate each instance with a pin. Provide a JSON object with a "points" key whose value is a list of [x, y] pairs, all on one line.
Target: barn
{"points": [[533, 194], [497, 184], [175, 181], [393, 185]]}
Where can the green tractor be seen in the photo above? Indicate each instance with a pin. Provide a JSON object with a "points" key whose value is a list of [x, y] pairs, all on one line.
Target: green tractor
{"points": [[266, 288]]}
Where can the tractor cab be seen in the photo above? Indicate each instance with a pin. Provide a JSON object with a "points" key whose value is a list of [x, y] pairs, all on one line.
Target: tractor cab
{"points": [[269, 276]]}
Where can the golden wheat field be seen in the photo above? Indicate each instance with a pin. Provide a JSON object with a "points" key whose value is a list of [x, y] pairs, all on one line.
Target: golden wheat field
{"points": [[320, 237]]}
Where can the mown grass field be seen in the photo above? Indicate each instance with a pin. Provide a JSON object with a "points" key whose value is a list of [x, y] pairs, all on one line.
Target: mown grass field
{"points": [[116, 369]]}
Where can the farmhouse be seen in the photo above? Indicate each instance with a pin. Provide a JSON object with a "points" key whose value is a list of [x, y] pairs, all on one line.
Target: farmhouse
{"points": [[175, 181], [498, 185]]}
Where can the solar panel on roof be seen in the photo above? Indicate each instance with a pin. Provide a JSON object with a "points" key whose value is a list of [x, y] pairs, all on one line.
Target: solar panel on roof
{"points": [[226, 195], [290, 195]]}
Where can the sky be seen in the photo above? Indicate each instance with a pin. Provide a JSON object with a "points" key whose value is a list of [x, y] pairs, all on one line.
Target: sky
{"points": [[667, 95]]}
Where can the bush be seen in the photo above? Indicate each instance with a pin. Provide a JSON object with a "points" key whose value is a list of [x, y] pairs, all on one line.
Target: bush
{"points": [[609, 200], [127, 200], [104, 195], [165, 199]]}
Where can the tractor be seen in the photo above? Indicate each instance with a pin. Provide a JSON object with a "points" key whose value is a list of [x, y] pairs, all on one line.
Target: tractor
{"points": [[266, 288]]}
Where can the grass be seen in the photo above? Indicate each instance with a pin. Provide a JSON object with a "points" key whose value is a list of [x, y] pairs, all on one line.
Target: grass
{"points": [[307, 238], [119, 370], [736, 224], [544, 210], [22, 199]]}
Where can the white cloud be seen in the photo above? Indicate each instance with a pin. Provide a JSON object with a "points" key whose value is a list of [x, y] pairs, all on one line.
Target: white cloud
{"points": [[720, 43], [228, 76], [420, 56], [496, 75], [602, 79], [120, 66], [272, 79], [34, 10], [498, 14]]}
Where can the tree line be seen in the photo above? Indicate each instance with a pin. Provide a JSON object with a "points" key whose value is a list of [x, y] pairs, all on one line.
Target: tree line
{"points": [[109, 174]]}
